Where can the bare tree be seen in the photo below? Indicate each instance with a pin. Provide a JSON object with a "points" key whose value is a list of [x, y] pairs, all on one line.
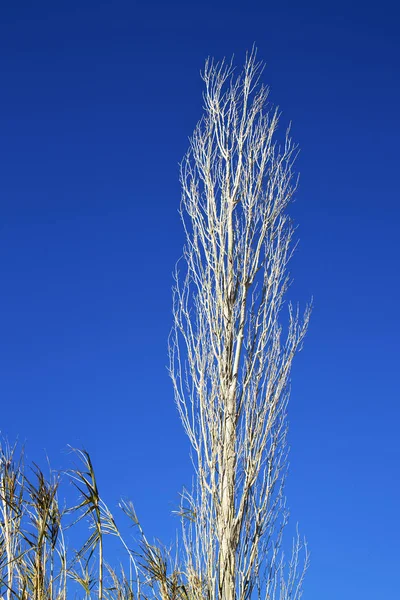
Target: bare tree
{"points": [[230, 356]]}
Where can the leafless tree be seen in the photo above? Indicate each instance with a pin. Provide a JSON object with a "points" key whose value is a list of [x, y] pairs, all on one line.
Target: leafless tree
{"points": [[230, 353]]}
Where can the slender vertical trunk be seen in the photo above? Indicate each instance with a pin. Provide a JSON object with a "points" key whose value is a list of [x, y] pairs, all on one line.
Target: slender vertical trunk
{"points": [[227, 515], [227, 560]]}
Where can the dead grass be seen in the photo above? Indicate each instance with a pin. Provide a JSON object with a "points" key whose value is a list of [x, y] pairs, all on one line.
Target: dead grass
{"points": [[35, 562]]}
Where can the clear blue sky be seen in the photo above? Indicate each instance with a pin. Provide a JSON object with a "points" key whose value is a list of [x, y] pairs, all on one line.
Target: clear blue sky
{"points": [[97, 101]]}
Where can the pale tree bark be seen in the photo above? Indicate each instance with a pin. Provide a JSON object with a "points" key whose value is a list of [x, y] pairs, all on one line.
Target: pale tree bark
{"points": [[230, 355]]}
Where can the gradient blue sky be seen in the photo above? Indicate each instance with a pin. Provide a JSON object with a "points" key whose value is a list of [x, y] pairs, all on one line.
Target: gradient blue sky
{"points": [[97, 101]]}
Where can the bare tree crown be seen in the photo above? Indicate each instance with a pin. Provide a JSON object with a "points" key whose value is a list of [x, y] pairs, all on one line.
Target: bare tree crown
{"points": [[230, 357]]}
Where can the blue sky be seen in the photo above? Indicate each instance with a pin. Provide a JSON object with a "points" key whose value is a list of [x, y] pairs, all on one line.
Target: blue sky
{"points": [[97, 102]]}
